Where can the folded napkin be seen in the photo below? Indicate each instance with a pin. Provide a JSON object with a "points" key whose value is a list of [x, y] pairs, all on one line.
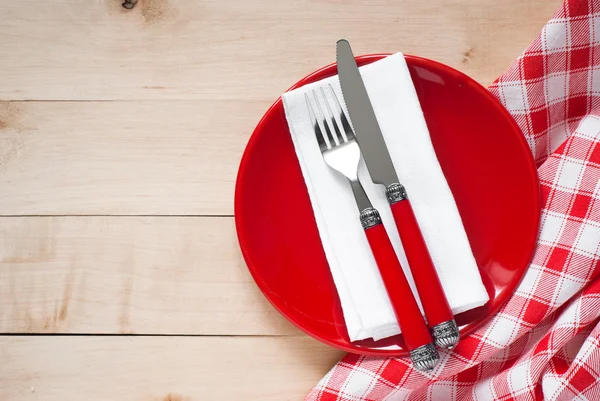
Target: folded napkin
{"points": [[367, 309], [544, 343]]}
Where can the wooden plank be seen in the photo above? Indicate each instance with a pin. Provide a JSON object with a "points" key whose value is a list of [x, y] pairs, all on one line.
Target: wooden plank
{"points": [[146, 158], [240, 50], [121, 157], [53, 368], [157, 275]]}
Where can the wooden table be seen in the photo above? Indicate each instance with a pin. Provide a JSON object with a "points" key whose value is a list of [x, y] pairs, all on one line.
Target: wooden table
{"points": [[120, 136]]}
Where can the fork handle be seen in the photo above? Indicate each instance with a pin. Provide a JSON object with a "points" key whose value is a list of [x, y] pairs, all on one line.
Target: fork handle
{"points": [[435, 305], [417, 337]]}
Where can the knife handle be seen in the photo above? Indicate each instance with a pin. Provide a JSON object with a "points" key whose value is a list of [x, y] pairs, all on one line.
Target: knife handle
{"points": [[435, 305], [417, 337]]}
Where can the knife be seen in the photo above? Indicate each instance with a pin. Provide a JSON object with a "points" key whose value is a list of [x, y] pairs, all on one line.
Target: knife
{"points": [[379, 163]]}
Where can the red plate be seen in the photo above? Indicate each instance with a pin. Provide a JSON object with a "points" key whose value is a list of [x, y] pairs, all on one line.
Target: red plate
{"points": [[488, 166]]}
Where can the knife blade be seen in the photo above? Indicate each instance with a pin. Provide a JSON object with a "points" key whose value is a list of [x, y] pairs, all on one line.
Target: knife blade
{"points": [[363, 119], [379, 163]]}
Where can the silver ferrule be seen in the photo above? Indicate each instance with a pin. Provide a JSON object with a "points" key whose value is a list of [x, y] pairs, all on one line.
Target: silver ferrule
{"points": [[395, 193], [369, 217], [425, 357], [446, 334]]}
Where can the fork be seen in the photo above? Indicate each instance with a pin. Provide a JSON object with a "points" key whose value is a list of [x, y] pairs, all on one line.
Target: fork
{"points": [[341, 152]]}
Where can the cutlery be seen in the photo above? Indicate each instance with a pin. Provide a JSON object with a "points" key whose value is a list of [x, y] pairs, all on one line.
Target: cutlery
{"points": [[342, 153], [379, 163]]}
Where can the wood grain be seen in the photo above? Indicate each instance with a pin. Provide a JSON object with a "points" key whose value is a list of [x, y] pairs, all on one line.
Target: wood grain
{"points": [[141, 158], [150, 275], [180, 157], [240, 50], [161, 368], [106, 111]]}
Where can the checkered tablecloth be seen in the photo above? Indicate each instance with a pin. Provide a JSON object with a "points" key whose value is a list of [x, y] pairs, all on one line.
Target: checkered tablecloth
{"points": [[545, 342]]}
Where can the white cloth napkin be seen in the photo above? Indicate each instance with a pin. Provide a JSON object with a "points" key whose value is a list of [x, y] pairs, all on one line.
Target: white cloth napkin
{"points": [[367, 309]]}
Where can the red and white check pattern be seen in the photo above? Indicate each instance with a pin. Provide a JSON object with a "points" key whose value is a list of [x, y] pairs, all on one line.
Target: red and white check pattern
{"points": [[545, 342]]}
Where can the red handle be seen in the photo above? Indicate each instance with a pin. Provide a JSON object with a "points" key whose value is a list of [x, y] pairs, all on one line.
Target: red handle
{"points": [[431, 293], [405, 306]]}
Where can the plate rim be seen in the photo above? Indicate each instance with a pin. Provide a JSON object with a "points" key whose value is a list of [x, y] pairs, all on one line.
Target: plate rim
{"points": [[362, 60]]}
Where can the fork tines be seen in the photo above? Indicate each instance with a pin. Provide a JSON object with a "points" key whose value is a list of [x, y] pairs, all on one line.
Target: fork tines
{"points": [[328, 120]]}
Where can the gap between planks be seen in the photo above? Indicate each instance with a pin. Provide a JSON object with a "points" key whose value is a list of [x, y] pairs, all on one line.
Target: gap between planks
{"points": [[138, 275], [125, 368]]}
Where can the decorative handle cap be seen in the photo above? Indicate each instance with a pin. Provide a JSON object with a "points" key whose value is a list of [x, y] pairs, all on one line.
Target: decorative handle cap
{"points": [[395, 193], [425, 357], [369, 218], [446, 334]]}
